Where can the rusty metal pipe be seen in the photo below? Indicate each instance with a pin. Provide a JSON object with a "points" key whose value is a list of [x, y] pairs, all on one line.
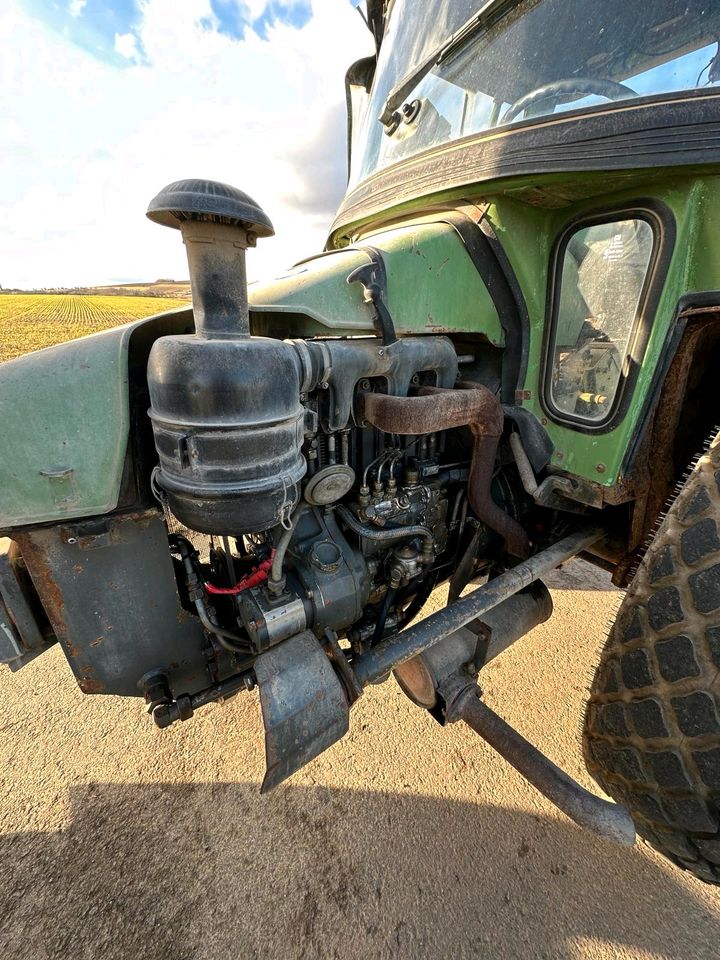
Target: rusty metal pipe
{"points": [[390, 653], [434, 409], [607, 819]]}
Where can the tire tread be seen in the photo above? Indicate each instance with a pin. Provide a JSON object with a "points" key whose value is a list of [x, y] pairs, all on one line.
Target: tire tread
{"points": [[652, 727]]}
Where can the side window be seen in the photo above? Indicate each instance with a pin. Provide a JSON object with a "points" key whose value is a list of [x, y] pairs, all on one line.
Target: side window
{"points": [[602, 277]]}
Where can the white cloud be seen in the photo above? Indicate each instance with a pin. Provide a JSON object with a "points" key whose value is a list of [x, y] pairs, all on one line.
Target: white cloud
{"points": [[126, 45], [93, 143], [77, 7]]}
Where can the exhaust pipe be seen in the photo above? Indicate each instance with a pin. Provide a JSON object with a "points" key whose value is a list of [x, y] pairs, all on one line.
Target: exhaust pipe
{"points": [[477, 644], [435, 408], [603, 817]]}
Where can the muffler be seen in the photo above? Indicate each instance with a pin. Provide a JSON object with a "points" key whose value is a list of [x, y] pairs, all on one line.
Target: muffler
{"points": [[475, 645]]}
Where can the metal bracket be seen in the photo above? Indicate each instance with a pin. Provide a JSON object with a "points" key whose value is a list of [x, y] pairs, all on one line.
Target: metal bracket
{"points": [[373, 278], [304, 706]]}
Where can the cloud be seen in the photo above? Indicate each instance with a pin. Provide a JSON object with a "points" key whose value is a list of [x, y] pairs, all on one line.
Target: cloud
{"points": [[318, 176], [126, 45], [92, 141]]}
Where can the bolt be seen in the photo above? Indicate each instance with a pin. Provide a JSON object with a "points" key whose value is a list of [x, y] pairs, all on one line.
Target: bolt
{"points": [[381, 353], [410, 111], [600, 468], [364, 384], [394, 123]]}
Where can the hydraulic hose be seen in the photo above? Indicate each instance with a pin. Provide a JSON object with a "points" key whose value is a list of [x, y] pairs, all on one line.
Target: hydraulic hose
{"points": [[418, 601], [385, 536], [276, 574], [226, 638]]}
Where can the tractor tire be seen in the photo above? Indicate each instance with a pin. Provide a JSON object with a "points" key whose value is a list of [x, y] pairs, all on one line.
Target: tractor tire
{"points": [[652, 728]]}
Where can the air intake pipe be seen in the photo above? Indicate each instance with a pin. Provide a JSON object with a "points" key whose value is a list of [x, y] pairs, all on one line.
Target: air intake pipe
{"points": [[225, 406]]}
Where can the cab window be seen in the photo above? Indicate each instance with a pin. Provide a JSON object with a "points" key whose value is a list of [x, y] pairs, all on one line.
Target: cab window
{"points": [[602, 274]]}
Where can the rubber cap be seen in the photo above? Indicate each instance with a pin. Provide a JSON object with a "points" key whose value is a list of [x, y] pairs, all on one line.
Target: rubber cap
{"points": [[208, 200]]}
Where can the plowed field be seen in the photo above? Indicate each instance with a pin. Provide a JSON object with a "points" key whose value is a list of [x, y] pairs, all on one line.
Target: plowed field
{"points": [[31, 321]]}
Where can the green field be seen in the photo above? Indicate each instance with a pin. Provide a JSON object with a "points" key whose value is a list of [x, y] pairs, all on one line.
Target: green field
{"points": [[31, 321]]}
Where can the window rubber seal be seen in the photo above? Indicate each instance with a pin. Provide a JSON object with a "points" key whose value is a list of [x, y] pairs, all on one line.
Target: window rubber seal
{"points": [[662, 222]]}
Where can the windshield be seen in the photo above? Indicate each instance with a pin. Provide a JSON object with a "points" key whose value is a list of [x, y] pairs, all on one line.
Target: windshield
{"points": [[526, 60]]}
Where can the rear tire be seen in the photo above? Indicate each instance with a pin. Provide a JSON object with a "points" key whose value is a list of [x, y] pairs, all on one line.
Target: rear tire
{"points": [[652, 726]]}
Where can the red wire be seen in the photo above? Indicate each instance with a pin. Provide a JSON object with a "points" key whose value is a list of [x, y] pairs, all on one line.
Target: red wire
{"points": [[252, 579]]}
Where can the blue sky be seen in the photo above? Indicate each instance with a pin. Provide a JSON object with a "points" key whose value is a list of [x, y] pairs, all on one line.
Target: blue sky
{"points": [[94, 25], [106, 102]]}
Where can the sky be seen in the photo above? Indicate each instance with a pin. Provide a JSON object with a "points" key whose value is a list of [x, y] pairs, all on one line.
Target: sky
{"points": [[104, 102]]}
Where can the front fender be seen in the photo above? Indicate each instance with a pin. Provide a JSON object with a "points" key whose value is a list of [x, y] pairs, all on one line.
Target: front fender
{"points": [[65, 423]]}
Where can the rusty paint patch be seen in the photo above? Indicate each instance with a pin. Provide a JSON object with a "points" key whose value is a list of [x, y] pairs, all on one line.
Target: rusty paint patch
{"points": [[35, 558]]}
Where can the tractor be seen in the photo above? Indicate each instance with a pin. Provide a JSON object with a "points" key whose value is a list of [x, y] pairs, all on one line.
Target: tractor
{"points": [[504, 357]]}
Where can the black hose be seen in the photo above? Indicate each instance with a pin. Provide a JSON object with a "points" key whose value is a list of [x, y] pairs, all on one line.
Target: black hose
{"points": [[384, 536], [232, 642], [383, 614], [418, 601]]}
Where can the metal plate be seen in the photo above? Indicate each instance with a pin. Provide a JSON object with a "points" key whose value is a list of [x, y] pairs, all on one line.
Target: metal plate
{"points": [[304, 706], [110, 593]]}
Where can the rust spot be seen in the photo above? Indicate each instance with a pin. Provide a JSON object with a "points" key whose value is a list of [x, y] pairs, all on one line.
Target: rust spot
{"points": [[90, 686], [35, 557]]}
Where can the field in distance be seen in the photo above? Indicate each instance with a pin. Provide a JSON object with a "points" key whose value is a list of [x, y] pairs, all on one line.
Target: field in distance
{"points": [[179, 289], [35, 320]]}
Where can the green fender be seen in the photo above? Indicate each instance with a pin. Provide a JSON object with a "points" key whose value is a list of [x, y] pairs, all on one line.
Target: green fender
{"points": [[65, 422]]}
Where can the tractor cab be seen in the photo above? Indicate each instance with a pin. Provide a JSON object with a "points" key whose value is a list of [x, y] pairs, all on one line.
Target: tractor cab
{"points": [[447, 71]]}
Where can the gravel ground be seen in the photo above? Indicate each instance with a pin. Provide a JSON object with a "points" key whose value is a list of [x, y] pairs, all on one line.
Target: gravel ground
{"points": [[118, 840]]}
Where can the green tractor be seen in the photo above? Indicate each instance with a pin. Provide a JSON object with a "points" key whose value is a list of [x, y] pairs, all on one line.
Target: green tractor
{"points": [[504, 357]]}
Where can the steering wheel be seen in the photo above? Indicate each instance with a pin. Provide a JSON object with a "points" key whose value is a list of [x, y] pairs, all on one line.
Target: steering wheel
{"points": [[569, 90]]}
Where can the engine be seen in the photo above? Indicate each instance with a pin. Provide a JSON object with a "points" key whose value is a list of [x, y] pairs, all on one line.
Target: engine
{"points": [[339, 479]]}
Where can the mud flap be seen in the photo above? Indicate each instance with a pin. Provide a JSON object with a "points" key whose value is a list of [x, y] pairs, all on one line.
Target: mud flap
{"points": [[304, 706]]}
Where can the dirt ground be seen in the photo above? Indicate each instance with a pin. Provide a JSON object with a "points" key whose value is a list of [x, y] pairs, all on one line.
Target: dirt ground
{"points": [[405, 840]]}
